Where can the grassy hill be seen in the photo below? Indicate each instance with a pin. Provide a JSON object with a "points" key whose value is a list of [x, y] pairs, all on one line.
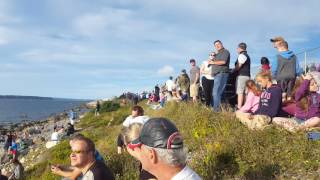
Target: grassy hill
{"points": [[219, 146]]}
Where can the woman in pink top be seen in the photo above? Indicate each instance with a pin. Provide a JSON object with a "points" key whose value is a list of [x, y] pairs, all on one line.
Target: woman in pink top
{"points": [[253, 97]]}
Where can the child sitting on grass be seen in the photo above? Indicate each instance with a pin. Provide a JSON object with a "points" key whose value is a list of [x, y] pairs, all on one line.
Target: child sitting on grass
{"points": [[269, 105], [307, 102], [252, 100]]}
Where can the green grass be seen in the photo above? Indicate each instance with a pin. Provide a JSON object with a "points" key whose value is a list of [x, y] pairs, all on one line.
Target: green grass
{"points": [[220, 147]]}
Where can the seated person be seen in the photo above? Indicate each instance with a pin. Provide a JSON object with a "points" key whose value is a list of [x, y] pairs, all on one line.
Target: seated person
{"points": [[70, 129], [307, 111], [137, 116], [72, 172], [252, 100], [129, 134], [290, 106], [55, 137], [269, 105]]}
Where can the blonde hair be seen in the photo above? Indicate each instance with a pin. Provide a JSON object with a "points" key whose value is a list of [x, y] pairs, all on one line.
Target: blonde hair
{"points": [[131, 133], [264, 75]]}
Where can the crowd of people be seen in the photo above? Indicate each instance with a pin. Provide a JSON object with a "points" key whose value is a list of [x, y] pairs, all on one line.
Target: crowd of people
{"points": [[280, 94]]}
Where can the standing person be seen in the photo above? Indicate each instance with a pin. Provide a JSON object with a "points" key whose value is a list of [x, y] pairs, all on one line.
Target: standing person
{"points": [[207, 80], [170, 85], [98, 107], [220, 70], [183, 82], [157, 93], [161, 152], [285, 67], [194, 80], [265, 64], [8, 141], [243, 69], [71, 116]]}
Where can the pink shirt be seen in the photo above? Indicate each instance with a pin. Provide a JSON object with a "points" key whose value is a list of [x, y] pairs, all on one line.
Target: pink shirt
{"points": [[251, 104]]}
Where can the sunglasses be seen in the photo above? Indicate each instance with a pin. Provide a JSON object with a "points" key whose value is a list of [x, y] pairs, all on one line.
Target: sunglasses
{"points": [[78, 152]]}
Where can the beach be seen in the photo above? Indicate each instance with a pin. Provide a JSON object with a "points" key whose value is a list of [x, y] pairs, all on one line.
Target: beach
{"points": [[32, 137]]}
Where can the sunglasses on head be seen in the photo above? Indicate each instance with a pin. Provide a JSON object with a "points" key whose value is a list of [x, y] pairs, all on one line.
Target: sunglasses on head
{"points": [[133, 146]]}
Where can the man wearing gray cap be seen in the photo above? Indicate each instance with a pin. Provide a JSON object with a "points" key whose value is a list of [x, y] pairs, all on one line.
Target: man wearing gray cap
{"points": [[161, 151]]}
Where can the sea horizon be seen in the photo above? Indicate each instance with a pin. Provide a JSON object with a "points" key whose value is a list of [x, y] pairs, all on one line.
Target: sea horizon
{"points": [[16, 109]]}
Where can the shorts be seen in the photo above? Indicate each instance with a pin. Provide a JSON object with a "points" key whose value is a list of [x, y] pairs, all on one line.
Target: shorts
{"points": [[194, 90], [241, 84], [286, 85]]}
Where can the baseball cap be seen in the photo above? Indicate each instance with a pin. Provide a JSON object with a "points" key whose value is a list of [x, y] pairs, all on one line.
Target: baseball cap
{"points": [[183, 71], [316, 76], [277, 38], [158, 133]]}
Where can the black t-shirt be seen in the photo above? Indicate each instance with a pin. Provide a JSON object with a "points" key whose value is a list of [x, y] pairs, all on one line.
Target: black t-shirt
{"points": [[2, 177], [98, 171]]}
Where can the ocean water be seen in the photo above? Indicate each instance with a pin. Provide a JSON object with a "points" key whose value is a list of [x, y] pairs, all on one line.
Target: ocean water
{"points": [[16, 110]]}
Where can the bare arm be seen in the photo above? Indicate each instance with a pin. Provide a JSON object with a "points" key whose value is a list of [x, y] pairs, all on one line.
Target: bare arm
{"points": [[70, 172], [218, 62]]}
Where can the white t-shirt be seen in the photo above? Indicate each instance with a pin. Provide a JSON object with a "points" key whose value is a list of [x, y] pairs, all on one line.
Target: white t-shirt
{"points": [[139, 119], [170, 85], [55, 136], [242, 58], [206, 71], [186, 174]]}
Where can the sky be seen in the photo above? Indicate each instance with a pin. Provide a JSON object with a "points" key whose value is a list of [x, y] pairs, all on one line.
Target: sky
{"points": [[101, 48]]}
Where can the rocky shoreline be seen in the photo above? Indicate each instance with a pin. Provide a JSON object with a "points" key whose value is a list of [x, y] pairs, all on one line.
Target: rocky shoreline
{"points": [[36, 134]]}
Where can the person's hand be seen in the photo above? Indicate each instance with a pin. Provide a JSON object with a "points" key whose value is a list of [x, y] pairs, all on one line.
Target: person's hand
{"points": [[307, 77], [55, 169]]}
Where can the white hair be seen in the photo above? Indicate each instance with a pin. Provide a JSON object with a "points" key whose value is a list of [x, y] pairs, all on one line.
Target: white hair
{"points": [[173, 157]]}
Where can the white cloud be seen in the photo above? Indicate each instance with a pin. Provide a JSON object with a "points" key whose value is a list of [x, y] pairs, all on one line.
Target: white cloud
{"points": [[166, 71]]}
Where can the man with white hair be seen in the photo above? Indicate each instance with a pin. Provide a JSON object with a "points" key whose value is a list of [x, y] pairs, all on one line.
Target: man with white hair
{"points": [[160, 151]]}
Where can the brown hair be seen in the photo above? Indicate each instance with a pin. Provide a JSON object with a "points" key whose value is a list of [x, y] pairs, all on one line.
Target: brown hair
{"points": [[252, 86], [139, 109], [304, 102], [90, 147], [284, 44]]}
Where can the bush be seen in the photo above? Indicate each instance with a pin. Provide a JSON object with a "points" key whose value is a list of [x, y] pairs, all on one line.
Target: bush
{"points": [[109, 106], [219, 146]]}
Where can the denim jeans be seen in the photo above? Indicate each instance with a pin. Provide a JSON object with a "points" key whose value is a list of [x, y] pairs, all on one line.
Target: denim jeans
{"points": [[220, 82]]}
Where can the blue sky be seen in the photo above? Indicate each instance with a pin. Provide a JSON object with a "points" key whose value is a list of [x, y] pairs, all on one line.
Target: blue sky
{"points": [[98, 49]]}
